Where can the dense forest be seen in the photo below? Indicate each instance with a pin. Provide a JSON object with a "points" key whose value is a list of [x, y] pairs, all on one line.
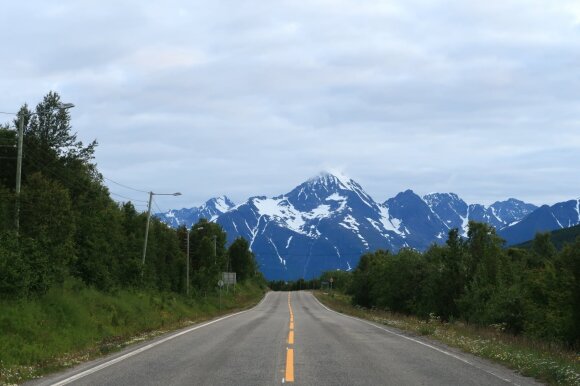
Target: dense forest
{"points": [[69, 226], [533, 291]]}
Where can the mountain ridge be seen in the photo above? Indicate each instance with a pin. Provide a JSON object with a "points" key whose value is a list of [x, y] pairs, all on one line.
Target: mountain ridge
{"points": [[329, 221]]}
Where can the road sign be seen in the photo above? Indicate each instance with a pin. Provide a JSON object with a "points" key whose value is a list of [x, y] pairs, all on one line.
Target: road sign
{"points": [[331, 280], [221, 283], [229, 278]]}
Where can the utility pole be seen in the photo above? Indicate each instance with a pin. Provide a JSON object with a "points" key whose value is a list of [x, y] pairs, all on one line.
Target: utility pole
{"points": [[214, 250], [61, 106], [187, 264], [146, 231], [19, 172], [151, 194]]}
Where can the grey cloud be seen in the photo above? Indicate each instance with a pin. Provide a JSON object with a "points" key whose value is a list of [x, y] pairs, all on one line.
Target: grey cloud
{"points": [[245, 98]]}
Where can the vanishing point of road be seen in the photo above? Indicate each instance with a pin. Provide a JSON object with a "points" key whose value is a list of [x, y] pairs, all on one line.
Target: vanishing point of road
{"points": [[288, 338]]}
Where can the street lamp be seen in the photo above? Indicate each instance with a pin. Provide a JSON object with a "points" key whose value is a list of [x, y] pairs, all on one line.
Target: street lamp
{"points": [[214, 249], [187, 265], [151, 194], [59, 106], [188, 261]]}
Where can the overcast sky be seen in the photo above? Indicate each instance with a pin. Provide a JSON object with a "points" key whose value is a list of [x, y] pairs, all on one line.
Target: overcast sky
{"points": [[243, 98]]}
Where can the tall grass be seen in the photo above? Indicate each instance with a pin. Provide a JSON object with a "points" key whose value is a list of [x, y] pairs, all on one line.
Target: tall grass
{"points": [[75, 323]]}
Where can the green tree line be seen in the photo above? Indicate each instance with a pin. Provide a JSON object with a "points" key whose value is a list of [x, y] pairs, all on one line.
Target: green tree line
{"points": [[70, 225], [535, 292]]}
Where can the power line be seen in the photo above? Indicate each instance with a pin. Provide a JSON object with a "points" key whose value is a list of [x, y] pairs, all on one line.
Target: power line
{"points": [[124, 186], [43, 166], [55, 159], [157, 206], [127, 198]]}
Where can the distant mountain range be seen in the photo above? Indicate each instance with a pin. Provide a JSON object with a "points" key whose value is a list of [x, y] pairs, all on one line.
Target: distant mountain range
{"points": [[559, 237], [211, 210], [327, 222]]}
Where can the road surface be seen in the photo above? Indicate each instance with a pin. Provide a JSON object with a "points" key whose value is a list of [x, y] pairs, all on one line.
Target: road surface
{"points": [[288, 338]]}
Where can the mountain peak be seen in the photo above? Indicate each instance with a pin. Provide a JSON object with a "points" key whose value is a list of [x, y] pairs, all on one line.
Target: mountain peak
{"points": [[331, 178], [221, 203], [449, 195], [435, 200], [407, 193]]}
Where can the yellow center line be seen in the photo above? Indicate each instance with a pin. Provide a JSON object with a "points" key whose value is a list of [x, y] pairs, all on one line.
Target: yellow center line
{"points": [[289, 365], [289, 376]]}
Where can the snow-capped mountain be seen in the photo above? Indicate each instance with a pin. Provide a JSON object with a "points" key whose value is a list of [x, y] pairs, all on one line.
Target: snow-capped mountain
{"points": [[456, 213], [544, 219], [211, 210], [419, 225], [327, 222]]}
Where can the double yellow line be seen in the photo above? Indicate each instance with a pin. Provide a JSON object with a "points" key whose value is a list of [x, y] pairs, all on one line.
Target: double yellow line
{"points": [[290, 351]]}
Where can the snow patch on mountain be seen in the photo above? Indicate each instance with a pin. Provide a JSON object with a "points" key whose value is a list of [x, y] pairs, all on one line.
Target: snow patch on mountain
{"points": [[388, 222], [557, 221], [350, 222], [282, 261], [282, 212], [465, 224], [363, 240], [222, 204], [319, 211], [288, 242]]}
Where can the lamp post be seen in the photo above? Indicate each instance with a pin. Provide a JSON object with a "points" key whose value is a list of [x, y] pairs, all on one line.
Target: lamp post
{"points": [[59, 106], [187, 266], [188, 262], [151, 194], [214, 249]]}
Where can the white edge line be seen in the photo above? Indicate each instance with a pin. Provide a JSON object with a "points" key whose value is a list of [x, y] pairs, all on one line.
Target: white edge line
{"points": [[145, 348], [421, 343]]}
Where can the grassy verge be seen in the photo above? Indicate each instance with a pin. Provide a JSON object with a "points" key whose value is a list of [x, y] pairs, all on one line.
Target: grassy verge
{"points": [[75, 324], [546, 362]]}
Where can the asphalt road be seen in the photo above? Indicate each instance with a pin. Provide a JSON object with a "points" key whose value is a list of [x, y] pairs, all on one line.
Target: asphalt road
{"points": [[288, 338]]}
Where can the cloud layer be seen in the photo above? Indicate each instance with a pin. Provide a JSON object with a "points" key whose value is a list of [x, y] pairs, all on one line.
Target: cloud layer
{"points": [[253, 97]]}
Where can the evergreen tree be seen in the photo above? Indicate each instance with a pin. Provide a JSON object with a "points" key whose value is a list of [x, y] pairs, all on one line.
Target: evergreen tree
{"points": [[47, 216], [242, 260], [208, 254], [361, 287]]}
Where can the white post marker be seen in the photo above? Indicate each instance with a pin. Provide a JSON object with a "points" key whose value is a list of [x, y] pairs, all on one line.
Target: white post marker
{"points": [[220, 284]]}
